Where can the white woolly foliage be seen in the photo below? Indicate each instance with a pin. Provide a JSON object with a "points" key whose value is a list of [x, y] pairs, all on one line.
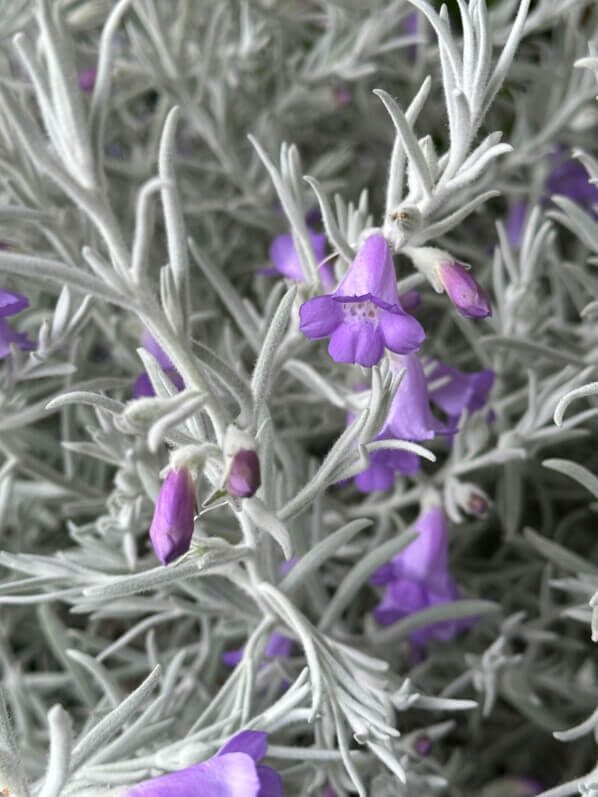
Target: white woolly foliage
{"points": [[149, 204]]}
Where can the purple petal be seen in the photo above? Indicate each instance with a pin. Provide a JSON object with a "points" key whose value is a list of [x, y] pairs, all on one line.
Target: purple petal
{"points": [[244, 477], [359, 342], [231, 775], [428, 554], [443, 591], [285, 258], [172, 526], [252, 743], [319, 317], [462, 390], [401, 599], [371, 274], [411, 22], [270, 783], [288, 565], [402, 333], [410, 301], [376, 477], [410, 417], [12, 303], [175, 378], [8, 335], [279, 646], [383, 575], [404, 461], [327, 276], [143, 386], [231, 658], [467, 295], [571, 179], [318, 243], [150, 344]]}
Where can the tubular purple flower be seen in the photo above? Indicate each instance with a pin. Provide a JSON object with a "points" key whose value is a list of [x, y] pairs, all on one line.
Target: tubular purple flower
{"points": [[244, 476], [467, 295], [172, 526], [427, 555], [232, 772], [11, 304], [364, 314], [410, 417], [418, 578], [286, 260]]}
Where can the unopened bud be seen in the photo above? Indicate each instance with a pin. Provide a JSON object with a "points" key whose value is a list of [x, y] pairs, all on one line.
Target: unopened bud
{"points": [[244, 476], [471, 498], [469, 298], [422, 744], [172, 526]]}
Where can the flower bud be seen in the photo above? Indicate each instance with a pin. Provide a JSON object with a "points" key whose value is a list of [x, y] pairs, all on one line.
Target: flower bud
{"points": [[469, 298], [172, 526], [422, 744], [244, 475], [472, 499]]}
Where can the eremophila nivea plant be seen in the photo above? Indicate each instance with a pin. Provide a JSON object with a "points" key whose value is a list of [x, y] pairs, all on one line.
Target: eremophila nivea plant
{"points": [[298, 398]]}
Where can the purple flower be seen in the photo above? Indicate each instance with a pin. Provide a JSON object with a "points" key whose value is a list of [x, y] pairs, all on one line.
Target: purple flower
{"points": [[461, 391], [11, 304], [232, 772], [569, 178], [279, 646], [286, 261], [409, 418], [380, 474], [172, 526], [469, 298], [425, 558], [364, 314], [87, 79], [418, 578], [244, 475], [143, 386]]}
